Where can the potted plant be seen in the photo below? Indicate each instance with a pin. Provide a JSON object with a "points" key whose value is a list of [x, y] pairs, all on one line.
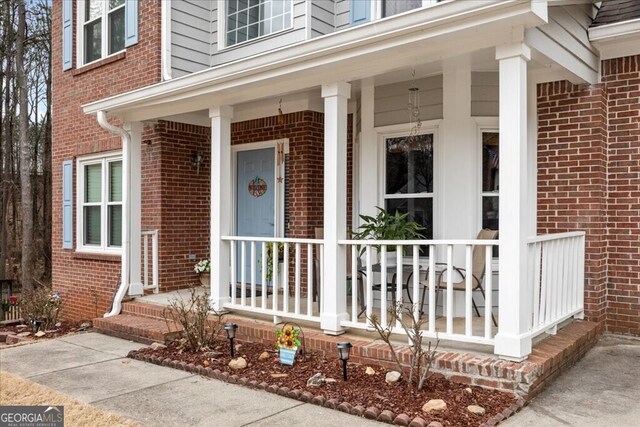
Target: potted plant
{"points": [[287, 343], [386, 226], [203, 268], [280, 250]]}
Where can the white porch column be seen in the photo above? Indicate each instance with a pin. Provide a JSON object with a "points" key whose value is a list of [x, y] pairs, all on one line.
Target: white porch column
{"points": [[334, 298], [512, 341], [134, 205], [368, 169], [221, 209]]}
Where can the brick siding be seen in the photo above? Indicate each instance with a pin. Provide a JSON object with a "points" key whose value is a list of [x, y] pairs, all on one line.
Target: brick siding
{"points": [[589, 179], [622, 79], [88, 282]]}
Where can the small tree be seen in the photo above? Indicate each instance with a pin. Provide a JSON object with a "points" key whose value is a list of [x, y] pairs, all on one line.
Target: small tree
{"points": [[198, 333], [421, 358]]}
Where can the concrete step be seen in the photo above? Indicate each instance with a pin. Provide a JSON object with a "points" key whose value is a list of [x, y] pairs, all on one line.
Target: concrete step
{"points": [[141, 329]]}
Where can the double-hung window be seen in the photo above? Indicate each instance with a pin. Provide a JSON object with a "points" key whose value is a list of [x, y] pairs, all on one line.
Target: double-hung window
{"points": [[102, 28], [100, 204], [249, 19], [490, 179], [394, 7], [409, 178]]}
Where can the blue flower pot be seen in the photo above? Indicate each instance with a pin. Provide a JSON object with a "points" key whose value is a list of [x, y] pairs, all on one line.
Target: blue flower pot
{"points": [[287, 356]]}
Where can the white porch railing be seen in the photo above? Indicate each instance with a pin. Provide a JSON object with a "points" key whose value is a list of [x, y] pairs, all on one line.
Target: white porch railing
{"points": [[419, 277], [278, 295], [555, 279], [150, 238]]}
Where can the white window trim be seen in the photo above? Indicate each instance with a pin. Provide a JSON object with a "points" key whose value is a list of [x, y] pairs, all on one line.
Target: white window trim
{"points": [[80, 5], [428, 127], [222, 29], [81, 162], [484, 124]]}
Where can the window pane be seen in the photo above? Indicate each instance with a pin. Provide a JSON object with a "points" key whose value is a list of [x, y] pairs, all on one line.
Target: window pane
{"points": [[93, 41], [490, 161], [409, 165], [115, 225], [115, 3], [92, 225], [420, 210], [490, 209], [115, 181], [116, 31], [93, 183], [393, 7], [92, 9]]}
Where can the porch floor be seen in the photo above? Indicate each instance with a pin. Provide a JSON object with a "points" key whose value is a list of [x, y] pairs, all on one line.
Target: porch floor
{"points": [[478, 322]]}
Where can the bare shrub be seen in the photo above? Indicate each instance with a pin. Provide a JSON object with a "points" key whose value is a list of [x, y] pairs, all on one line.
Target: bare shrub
{"points": [[198, 333], [40, 307], [421, 358]]}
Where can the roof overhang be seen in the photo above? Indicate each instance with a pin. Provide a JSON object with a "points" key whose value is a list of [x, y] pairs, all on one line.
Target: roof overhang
{"points": [[617, 40], [431, 34]]}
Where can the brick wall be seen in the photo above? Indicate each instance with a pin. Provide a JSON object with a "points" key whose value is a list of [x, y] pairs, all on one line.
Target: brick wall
{"points": [[176, 199], [622, 79], [589, 179], [572, 176], [88, 282]]}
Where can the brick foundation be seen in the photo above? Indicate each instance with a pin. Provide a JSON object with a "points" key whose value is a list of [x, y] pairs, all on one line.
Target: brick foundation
{"points": [[550, 357]]}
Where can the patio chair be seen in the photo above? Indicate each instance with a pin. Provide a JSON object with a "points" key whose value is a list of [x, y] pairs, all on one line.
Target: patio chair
{"points": [[478, 271]]}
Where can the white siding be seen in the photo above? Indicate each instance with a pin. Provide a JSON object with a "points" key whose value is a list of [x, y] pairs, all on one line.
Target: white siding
{"points": [[322, 17], [391, 101], [484, 94], [565, 40], [190, 36]]}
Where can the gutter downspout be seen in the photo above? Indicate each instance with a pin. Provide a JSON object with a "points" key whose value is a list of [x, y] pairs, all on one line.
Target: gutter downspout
{"points": [[126, 148]]}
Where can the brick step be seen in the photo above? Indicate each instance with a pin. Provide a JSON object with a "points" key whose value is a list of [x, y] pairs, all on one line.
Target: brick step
{"points": [[137, 308], [141, 329]]}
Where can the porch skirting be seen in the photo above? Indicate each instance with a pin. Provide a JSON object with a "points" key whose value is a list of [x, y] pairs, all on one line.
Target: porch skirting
{"points": [[144, 322]]}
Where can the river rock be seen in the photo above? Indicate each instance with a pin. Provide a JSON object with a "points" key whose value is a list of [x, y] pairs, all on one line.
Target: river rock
{"points": [[238, 363], [264, 355], [475, 409], [434, 405], [370, 371], [157, 346], [392, 377], [40, 334]]}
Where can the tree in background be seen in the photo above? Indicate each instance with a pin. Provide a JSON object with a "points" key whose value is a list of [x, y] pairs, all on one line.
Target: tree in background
{"points": [[25, 141]]}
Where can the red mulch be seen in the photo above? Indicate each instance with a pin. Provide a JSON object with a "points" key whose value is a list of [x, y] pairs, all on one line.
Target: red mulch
{"points": [[64, 329], [360, 389]]}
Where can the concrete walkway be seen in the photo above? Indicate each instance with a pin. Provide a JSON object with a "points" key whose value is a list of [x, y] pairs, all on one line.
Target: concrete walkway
{"points": [[93, 368], [600, 390]]}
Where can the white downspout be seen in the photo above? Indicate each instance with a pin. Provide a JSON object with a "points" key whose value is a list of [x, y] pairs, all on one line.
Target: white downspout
{"points": [[126, 147], [165, 40]]}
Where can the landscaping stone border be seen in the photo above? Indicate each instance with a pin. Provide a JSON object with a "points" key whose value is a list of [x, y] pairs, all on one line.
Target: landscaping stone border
{"points": [[372, 412]]}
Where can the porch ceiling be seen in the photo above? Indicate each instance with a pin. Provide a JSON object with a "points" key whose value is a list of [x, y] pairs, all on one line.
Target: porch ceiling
{"points": [[421, 39]]}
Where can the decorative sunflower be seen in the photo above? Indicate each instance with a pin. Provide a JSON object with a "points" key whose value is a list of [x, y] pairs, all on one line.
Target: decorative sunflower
{"points": [[287, 337]]}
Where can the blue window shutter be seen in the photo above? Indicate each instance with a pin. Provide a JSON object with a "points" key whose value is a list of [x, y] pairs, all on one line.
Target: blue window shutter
{"points": [[360, 11], [67, 204], [130, 22], [67, 35]]}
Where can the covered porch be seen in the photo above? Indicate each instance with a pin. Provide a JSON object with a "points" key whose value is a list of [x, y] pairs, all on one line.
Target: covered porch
{"points": [[527, 286]]}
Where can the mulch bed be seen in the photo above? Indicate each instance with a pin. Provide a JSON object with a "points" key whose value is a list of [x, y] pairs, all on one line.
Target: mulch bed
{"points": [[363, 394], [65, 328]]}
